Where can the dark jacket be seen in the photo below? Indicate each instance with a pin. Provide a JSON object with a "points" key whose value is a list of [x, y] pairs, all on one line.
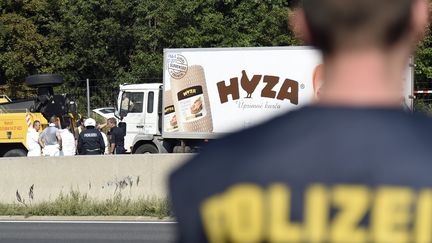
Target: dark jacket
{"points": [[90, 141], [117, 136]]}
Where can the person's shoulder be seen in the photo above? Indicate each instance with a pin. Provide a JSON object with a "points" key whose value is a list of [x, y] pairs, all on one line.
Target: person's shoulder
{"points": [[223, 154], [421, 126], [94, 131], [288, 130], [44, 131], [81, 134], [118, 131], [421, 118]]}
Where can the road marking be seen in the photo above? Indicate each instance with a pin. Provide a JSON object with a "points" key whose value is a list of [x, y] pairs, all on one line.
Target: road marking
{"points": [[86, 222]]}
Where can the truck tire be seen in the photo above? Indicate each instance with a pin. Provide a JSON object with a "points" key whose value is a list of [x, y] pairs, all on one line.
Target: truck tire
{"points": [[15, 153], [146, 149], [43, 80]]}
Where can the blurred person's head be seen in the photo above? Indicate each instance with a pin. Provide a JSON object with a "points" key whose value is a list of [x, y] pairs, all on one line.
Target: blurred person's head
{"points": [[66, 124], [111, 122], [54, 120], [366, 46], [336, 26], [36, 125]]}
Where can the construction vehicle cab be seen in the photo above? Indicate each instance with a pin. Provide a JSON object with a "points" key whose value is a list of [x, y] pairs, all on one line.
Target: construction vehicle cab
{"points": [[17, 116]]}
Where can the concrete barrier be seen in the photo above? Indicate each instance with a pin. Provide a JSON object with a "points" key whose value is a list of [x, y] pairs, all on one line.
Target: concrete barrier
{"points": [[100, 177]]}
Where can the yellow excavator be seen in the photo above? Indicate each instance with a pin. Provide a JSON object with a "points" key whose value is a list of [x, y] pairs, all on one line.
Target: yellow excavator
{"points": [[17, 116]]}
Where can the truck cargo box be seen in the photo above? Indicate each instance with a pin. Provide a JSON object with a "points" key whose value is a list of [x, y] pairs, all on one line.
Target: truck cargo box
{"points": [[211, 92]]}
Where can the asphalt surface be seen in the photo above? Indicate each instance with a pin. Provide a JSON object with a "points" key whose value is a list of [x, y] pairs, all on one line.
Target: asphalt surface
{"points": [[85, 231]]}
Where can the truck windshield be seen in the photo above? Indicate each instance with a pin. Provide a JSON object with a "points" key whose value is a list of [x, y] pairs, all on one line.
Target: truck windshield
{"points": [[132, 102]]}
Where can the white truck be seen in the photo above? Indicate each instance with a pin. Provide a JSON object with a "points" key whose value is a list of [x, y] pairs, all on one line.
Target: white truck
{"points": [[207, 93]]}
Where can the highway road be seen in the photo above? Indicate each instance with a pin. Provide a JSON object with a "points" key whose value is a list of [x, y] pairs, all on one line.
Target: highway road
{"points": [[85, 231]]}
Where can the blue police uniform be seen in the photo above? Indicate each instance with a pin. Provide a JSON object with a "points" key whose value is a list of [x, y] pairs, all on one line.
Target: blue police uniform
{"points": [[318, 174]]}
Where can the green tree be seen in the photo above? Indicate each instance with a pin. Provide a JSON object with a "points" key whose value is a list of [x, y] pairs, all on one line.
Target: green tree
{"points": [[118, 41], [26, 47], [424, 61], [195, 24], [96, 42], [22, 50]]}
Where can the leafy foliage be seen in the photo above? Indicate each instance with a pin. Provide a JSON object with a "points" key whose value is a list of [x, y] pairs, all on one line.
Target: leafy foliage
{"points": [[118, 41], [77, 204], [424, 63]]}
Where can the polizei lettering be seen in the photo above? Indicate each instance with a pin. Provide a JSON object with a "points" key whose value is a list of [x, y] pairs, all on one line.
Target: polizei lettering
{"points": [[288, 91], [90, 135], [337, 214]]}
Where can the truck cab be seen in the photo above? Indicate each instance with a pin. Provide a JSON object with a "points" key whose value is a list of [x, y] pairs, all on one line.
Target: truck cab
{"points": [[140, 110]]}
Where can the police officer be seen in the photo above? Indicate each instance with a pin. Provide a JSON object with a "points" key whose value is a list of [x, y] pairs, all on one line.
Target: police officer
{"points": [[90, 140], [259, 186], [117, 137]]}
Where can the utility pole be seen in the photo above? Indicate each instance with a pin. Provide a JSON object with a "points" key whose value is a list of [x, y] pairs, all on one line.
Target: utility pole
{"points": [[88, 98]]}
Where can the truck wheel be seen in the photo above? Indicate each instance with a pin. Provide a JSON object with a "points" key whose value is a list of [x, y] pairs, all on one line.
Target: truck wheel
{"points": [[43, 80], [15, 153], [146, 149]]}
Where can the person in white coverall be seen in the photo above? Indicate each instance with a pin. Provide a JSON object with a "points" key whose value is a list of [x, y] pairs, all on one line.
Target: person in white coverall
{"points": [[104, 136], [32, 140], [68, 140], [50, 139]]}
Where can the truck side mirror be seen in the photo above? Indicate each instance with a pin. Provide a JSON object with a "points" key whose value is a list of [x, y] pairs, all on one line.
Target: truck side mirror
{"points": [[123, 113], [117, 113]]}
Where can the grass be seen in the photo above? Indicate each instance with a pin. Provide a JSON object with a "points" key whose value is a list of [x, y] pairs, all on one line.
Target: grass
{"points": [[76, 204]]}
